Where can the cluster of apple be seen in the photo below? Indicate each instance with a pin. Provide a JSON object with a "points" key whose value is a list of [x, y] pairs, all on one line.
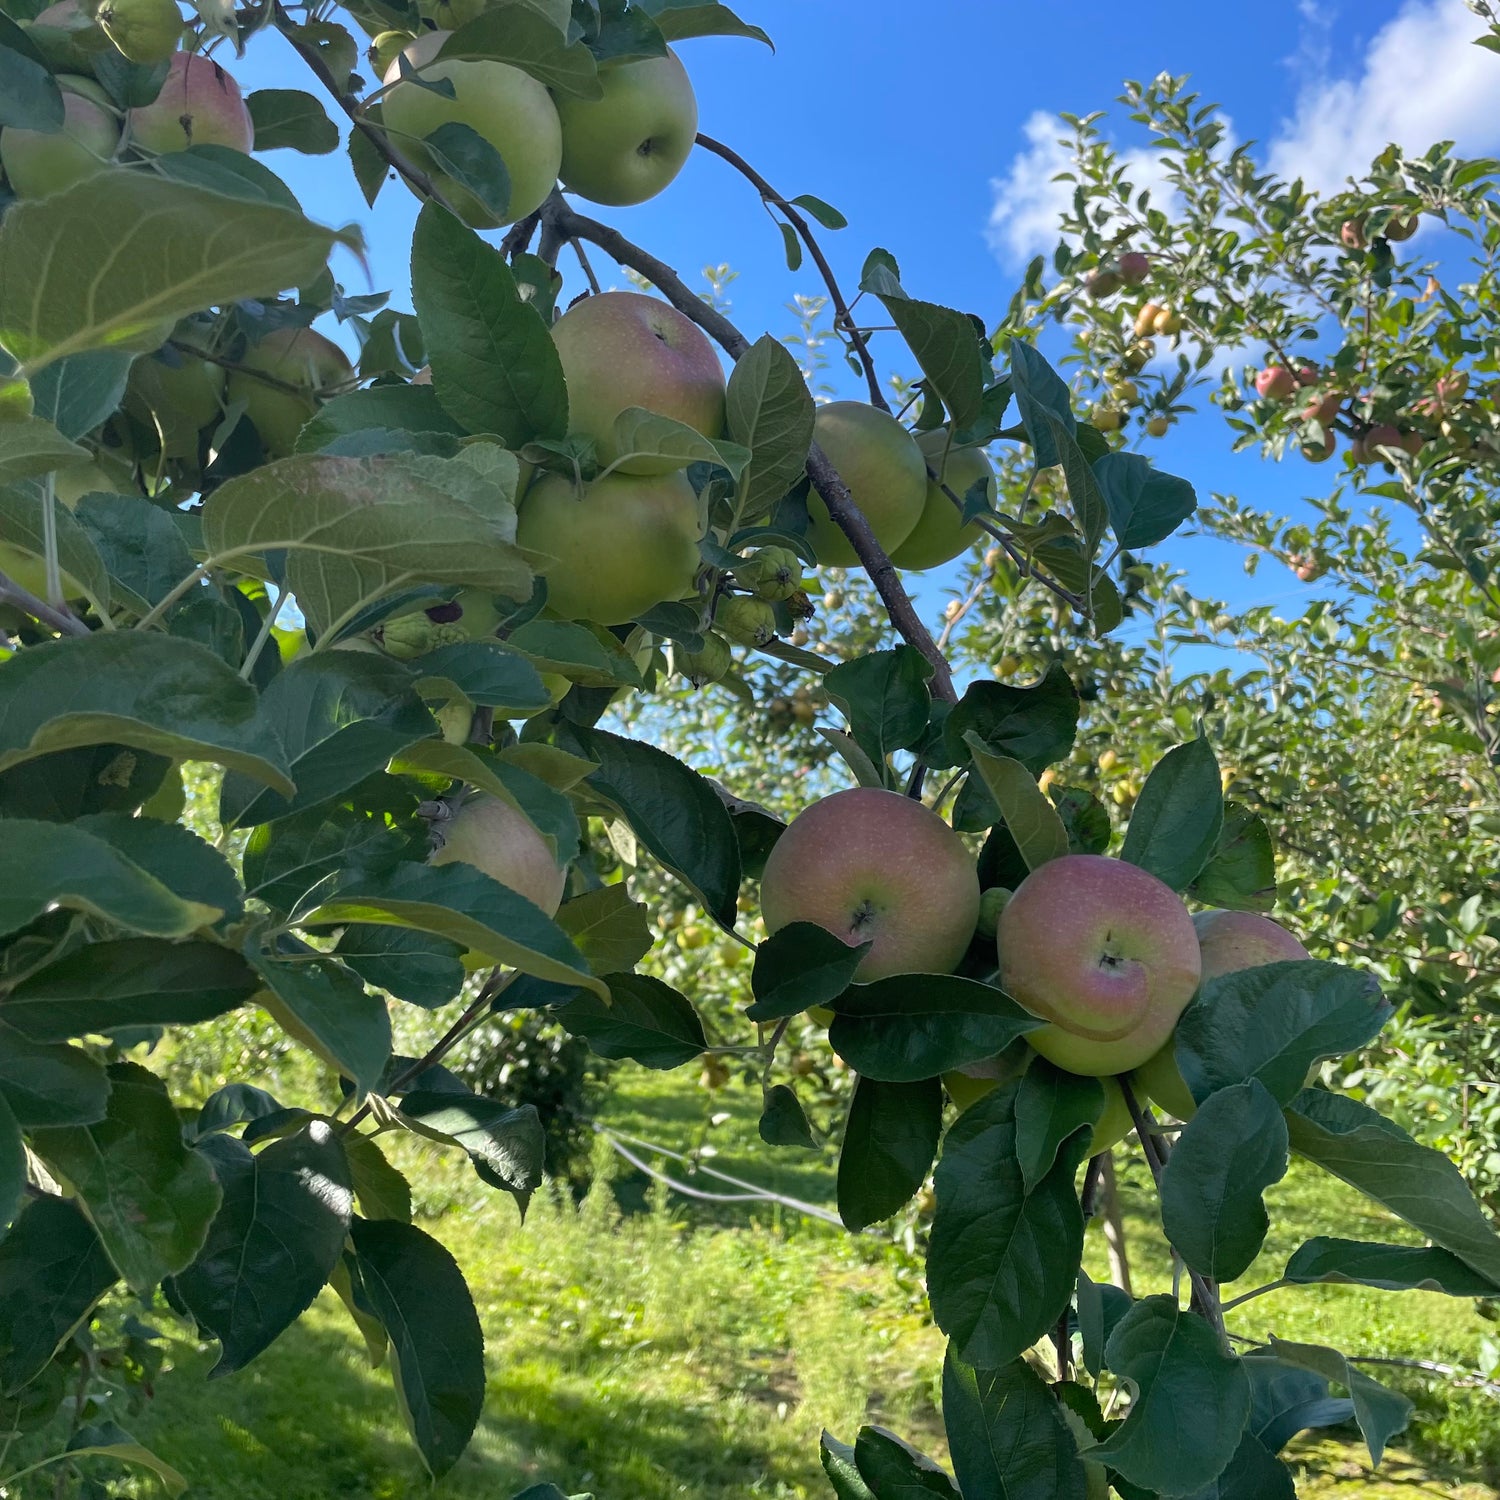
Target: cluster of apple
{"points": [[1101, 950], [1152, 320]]}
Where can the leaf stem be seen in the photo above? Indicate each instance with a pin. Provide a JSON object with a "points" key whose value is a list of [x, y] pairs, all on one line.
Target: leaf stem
{"points": [[63, 620]]}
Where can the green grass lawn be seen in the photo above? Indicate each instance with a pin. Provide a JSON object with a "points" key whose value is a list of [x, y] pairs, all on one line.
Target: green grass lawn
{"points": [[698, 1350]]}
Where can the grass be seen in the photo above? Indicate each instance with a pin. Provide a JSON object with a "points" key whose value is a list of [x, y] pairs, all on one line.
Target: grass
{"points": [[698, 1350]]}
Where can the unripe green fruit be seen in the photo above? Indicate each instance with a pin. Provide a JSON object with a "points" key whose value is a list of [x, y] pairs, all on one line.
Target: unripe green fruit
{"points": [[455, 720], [39, 163], [705, 666], [175, 399], [382, 52], [469, 617], [298, 357], [145, 31], [1106, 419], [449, 15], [493, 837], [773, 573], [991, 904], [751, 622]]}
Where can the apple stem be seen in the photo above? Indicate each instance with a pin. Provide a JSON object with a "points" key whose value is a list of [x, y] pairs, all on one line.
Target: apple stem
{"points": [[59, 617]]}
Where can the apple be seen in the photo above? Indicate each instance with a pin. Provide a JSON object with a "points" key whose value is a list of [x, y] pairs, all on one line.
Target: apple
{"points": [[1106, 419], [175, 396], [872, 866], [144, 31], [1352, 233], [711, 664], [1145, 319], [1106, 953], [751, 622], [879, 461], [1275, 383], [1167, 321], [1318, 453], [1158, 426], [1366, 448], [628, 145], [1134, 267], [1228, 941], [385, 49], [470, 615], [1399, 230], [624, 349], [300, 357], [42, 162], [199, 105], [493, 837], [939, 535], [501, 104], [623, 543], [771, 573], [966, 1086], [1103, 283], [1324, 410]]}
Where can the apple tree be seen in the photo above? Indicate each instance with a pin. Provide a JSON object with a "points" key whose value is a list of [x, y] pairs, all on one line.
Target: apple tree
{"points": [[510, 508]]}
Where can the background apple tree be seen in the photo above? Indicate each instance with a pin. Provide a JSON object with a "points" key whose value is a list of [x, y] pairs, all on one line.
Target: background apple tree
{"points": [[435, 773]]}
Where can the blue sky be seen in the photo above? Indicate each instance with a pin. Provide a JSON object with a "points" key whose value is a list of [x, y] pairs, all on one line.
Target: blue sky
{"points": [[929, 127]]}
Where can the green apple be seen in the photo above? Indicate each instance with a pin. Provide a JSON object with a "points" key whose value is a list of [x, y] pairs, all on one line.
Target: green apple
{"points": [[622, 544], [493, 837], [199, 105], [872, 866], [1104, 952], [623, 349], [878, 459], [470, 616], [144, 31], [626, 146], [501, 104], [939, 536], [711, 664], [385, 49], [750, 621], [300, 357], [38, 163], [175, 396]]}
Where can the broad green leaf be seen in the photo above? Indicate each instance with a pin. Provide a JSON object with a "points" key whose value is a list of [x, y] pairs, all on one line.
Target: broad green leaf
{"points": [[678, 19], [52, 1272], [783, 1121], [674, 812], [1100, 1307], [884, 697], [1274, 1022], [1084, 817], [274, 1242], [456, 901], [1228, 1154], [12, 1165], [1089, 512], [1175, 824], [418, 967], [839, 1466], [150, 692], [286, 859], [1007, 1434], [640, 434], [951, 351], [107, 1440], [1050, 1106], [1003, 1260], [222, 169], [113, 261], [895, 1470], [890, 1139], [1254, 1473], [486, 674], [69, 784], [1174, 1364], [77, 394], [494, 366], [147, 1195], [380, 1190], [1380, 1160], [1032, 820], [29, 95], [609, 928], [1380, 1412], [1145, 506], [323, 1005], [235, 1104], [1241, 872], [22, 517], [459, 152], [390, 408], [521, 35], [128, 982], [32, 447], [1040, 393], [188, 865], [642, 1019], [47, 1084], [801, 965], [908, 1027], [1393, 1268], [413, 1286], [825, 213], [506, 1145], [1035, 725], [1286, 1399], [140, 545], [770, 411], [574, 651], [293, 119]]}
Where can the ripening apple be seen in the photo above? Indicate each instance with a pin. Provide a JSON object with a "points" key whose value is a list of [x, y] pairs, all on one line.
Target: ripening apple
{"points": [[1352, 233], [38, 163], [385, 49], [967, 1086], [1324, 410], [297, 356], [493, 837], [1228, 941], [1399, 230], [501, 104], [879, 461], [624, 349], [1145, 319], [1276, 383], [872, 866], [175, 396], [622, 544], [1106, 953], [144, 31], [1134, 267], [1167, 321], [1106, 418], [1158, 426], [199, 105], [1103, 283], [1319, 453], [1366, 448], [628, 145], [939, 535]]}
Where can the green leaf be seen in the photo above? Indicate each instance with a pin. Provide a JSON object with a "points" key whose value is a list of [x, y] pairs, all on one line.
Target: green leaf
{"points": [[147, 1195], [1393, 1268], [235, 1104], [1089, 510], [78, 393], [413, 1286], [285, 860], [22, 518], [1254, 1473], [12, 1165], [1050, 1106], [274, 1242], [1040, 393], [1039, 833], [1084, 817], [783, 1121], [381, 1191], [884, 696], [222, 169], [521, 35], [1174, 1364], [460, 152], [46, 1084], [392, 408], [608, 928], [801, 965], [113, 261], [457, 901], [1228, 1154], [29, 95], [1145, 506], [1174, 827], [575, 651], [1003, 1260], [150, 692], [53, 1270], [1379, 1159], [483, 673], [418, 967], [1241, 872], [107, 1440], [770, 411], [140, 545], [791, 246], [838, 1465], [189, 866], [1380, 1412], [327, 1009], [507, 1146], [890, 1140], [908, 1027], [643, 1019], [679, 19], [1273, 1023], [950, 350], [825, 213], [1008, 1436], [494, 366], [128, 982], [895, 1470], [288, 117], [673, 810], [641, 434], [1035, 725], [32, 446], [1100, 1307]]}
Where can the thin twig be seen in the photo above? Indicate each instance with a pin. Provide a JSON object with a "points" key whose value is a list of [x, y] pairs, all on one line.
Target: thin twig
{"points": [[61, 619], [588, 270]]}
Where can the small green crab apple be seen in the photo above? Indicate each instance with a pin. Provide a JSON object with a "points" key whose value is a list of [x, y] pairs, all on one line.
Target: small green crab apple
{"points": [[711, 664], [467, 617], [751, 622], [772, 573]]}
